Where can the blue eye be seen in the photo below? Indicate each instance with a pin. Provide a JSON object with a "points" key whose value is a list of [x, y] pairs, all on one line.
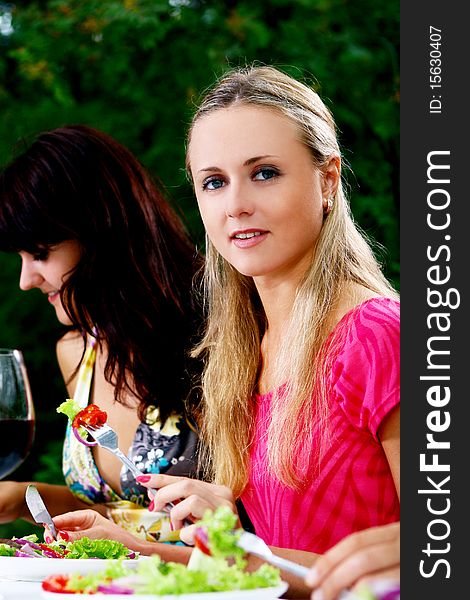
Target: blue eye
{"points": [[265, 173], [212, 183]]}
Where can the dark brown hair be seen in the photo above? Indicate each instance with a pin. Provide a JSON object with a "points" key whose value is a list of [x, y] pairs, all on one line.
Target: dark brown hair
{"points": [[133, 281]]}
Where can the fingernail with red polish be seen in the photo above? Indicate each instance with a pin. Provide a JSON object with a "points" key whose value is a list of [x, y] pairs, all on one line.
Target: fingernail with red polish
{"points": [[143, 478], [63, 534], [151, 505], [48, 539]]}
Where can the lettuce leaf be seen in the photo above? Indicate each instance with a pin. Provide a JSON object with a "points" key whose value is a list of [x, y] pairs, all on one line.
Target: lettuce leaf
{"points": [[88, 583], [69, 408], [87, 548], [6, 550], [221, 533]]}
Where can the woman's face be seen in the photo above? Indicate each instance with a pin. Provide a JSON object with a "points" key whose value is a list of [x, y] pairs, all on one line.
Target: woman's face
{"points": [[47, 271], [259, 194]]}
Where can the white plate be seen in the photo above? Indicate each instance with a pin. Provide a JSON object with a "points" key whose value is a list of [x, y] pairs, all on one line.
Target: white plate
{"points": [[36, 569], [258, 594], [21, 590]]}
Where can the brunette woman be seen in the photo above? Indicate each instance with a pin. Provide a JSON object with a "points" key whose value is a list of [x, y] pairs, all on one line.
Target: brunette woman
{"points": [[98, 238]]}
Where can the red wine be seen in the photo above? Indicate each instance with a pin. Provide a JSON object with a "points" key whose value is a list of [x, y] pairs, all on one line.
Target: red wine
{"points": [[16, 439]]}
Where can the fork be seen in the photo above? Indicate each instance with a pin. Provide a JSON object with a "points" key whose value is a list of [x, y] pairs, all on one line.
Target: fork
{"points": [[106, 437], [253, 544]]}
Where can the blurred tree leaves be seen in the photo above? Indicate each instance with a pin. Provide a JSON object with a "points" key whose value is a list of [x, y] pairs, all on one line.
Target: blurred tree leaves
{"points": [[135, 68]]}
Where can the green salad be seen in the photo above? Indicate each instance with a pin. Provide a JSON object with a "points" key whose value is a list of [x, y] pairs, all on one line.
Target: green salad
{"points": [[29, 546], [221, 570]]}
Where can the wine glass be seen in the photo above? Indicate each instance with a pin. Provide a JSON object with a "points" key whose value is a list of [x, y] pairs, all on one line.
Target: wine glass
{"points": [[16, 411]]}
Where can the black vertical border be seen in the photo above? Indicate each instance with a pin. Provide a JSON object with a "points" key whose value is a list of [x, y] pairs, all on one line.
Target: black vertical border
{"points": [[423, 132]]}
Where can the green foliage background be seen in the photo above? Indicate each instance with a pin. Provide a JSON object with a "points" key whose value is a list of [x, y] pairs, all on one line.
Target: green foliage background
{"points": [[134, 68]]}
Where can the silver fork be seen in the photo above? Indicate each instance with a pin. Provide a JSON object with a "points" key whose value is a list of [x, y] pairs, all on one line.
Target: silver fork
{"points": [[253, 544], [106, 437]]}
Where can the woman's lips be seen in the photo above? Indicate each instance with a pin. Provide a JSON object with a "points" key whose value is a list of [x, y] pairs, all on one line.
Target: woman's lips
{"points": [[52, 297], [248, 238]]}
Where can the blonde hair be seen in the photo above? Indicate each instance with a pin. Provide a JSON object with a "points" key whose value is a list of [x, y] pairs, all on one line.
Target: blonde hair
{"points": [[236, 321]]}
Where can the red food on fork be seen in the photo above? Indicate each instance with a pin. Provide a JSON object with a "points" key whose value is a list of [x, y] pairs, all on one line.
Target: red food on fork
{"points": [[201, 541], [91, 416]]}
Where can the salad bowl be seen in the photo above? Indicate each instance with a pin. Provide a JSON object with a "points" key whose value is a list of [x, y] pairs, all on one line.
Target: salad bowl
{"points": [[27, 559]]}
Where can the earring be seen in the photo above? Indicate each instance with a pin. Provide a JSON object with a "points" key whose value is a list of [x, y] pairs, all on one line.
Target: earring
{"points": [[328, 205]]}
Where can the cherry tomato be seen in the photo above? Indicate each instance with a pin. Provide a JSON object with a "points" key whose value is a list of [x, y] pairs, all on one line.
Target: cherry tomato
{"points": [[52, 552], [56, 583], [90, 416]]}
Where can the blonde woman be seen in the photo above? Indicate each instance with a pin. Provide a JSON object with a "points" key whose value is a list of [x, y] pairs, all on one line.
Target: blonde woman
{"points": [[301, 349]]}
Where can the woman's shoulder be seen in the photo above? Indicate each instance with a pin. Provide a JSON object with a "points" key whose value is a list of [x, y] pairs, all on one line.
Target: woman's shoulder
{"points": [[70, 343], [378, 309], [365, 373], [69, 350], [358, 303], [371, 328]]}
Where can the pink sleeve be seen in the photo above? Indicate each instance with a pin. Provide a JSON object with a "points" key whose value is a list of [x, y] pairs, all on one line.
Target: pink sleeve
{"points": [[366, 374]]}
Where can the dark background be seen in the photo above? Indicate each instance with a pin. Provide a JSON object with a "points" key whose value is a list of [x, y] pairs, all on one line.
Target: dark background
{"points": [[135, 69]]}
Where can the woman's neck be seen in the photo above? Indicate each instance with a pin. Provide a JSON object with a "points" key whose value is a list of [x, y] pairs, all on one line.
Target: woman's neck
{"points": [[278, 300], [277, 295]]}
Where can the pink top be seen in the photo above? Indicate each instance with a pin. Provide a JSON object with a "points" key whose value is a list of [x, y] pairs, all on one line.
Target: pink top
{"points": [[353, 489]]}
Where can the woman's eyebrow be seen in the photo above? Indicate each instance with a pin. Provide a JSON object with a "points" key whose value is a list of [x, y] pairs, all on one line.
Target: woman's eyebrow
{"points": [[250, 161], [247, 163], [209, 169]]}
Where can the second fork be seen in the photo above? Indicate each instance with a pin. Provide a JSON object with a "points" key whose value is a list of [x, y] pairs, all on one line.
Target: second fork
{"points": [[106, 437]]}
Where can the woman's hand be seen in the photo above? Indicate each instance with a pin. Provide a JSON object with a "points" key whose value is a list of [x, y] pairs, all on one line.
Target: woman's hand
{"points": [[192, 498], [74, 525], [80, 523], [356, 561]]}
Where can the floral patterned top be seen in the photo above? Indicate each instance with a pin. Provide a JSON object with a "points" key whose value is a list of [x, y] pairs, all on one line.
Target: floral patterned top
{"points": [[169, 448]]}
